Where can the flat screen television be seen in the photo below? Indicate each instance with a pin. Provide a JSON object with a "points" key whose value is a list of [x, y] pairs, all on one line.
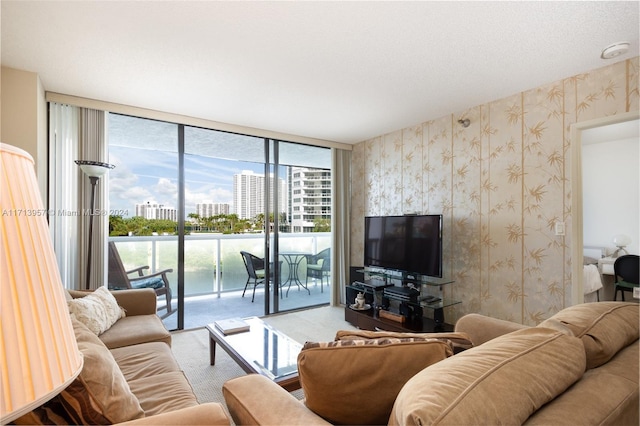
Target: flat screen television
{"points": [[410, 243]]}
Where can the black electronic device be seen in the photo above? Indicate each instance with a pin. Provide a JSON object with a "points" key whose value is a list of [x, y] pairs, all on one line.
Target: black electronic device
{"points": [[402, 293], [410, 311], [411, 243]]}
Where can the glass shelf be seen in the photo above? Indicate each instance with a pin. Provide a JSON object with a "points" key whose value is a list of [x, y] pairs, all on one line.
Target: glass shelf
{"points": [[408, 277], [444, 303], [426, 285]]}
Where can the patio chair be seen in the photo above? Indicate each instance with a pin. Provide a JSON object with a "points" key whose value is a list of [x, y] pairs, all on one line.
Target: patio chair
{"points": [[120, 279], [255, 270], [319, 266]]}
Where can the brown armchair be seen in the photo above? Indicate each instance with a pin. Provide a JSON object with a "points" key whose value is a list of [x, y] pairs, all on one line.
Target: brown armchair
{"points": [[120, 279]]}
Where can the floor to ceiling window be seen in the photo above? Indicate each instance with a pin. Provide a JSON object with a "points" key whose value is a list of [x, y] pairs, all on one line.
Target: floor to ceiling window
{"points": [[237, 193], [143, 195]]}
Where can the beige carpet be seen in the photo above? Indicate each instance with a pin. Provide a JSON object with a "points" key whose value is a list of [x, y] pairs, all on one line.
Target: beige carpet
{"points": [[191, 348]]}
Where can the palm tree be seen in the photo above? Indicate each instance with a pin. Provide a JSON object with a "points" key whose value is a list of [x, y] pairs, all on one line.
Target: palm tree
{"points": [[197, 219]]}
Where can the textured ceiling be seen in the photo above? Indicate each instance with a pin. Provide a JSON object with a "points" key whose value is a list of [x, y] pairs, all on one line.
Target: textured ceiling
{"points": [[340, 71]]}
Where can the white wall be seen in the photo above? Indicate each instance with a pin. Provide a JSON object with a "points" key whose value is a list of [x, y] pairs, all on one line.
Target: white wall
{"points": [[611, 192]]}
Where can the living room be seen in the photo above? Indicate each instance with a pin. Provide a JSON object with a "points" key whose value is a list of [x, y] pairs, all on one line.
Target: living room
{"points": [[499, 167], [510, 251]]}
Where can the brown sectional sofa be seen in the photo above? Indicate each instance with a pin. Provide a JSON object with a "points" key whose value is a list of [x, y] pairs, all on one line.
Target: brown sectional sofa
{"points": [[129, 375], [578, 367]]}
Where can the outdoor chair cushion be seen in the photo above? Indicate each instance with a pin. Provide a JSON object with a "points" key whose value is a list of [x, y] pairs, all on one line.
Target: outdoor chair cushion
{"points": [[151, 282]]}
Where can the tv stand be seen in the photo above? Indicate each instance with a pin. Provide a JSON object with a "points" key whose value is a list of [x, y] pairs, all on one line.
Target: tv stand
{"points": [[369, 320], [381, 292]]}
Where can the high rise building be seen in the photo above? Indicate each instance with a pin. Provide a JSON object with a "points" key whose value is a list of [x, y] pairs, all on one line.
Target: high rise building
{"points": [[212, 209], [248, 194], [156, 211], [310, 197]]}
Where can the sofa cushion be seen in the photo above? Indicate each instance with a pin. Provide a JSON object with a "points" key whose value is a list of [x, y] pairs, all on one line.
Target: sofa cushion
{"points": [[606, 395], [99, 395], [145, 360], [459, 340], [356, 381], [103, 380], [97, 310], [502, 381], [148, 328], [604, 327], [163, 392]]}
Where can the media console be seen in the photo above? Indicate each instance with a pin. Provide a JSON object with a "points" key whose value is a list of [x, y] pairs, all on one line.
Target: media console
{"points": [[369, 320], [407, 300]]}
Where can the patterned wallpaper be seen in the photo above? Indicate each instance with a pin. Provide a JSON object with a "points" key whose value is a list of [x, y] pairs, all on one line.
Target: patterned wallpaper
{"points": [[500, 183]]}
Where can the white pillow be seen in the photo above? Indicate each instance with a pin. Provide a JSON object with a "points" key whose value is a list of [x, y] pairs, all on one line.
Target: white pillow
{"points": [[98, 310]]}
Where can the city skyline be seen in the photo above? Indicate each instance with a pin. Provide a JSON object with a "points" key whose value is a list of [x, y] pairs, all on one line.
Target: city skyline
{"points": [[145, 155], [146, 175]]}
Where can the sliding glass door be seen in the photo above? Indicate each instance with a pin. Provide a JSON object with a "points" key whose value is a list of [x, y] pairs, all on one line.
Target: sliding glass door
{"points": [[302, 241], [143, 199], [221, 194]]}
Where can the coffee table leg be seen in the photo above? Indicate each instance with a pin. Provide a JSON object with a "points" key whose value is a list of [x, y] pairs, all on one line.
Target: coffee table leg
{"points": [[212, 351]]}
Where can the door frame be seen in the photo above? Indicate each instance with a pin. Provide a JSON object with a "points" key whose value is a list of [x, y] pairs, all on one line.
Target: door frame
{"points": [[577, 243]]}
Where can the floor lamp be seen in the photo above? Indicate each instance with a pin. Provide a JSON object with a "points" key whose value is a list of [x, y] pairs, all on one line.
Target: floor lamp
{"points": [[95, 170]]}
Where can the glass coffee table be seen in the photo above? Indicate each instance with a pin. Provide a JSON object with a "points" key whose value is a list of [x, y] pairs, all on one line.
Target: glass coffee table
{"points": [[261, 350]]}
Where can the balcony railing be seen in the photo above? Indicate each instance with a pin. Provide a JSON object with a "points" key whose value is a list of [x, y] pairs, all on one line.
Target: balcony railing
{"points": [[212, 262]]}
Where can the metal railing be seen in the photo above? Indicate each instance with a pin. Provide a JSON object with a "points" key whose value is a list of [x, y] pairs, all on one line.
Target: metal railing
{"points": [[212, 262]]}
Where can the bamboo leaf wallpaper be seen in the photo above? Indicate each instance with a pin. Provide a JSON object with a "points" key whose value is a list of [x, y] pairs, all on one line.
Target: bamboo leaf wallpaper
{"points": [[501, 184]]}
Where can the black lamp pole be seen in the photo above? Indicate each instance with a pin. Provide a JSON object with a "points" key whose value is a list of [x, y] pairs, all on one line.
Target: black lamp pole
{"points": [[93, 169], [94, 181]]}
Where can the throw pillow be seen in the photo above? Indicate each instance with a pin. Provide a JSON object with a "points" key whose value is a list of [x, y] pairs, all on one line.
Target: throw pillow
{"points": [[357, 381], [502, 381], [459, 340], [99, 395], [98, 310]]}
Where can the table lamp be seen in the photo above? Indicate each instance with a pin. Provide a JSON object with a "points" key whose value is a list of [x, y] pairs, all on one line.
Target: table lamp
{"points": [[39, 353], [620, 241], [95, 170]]}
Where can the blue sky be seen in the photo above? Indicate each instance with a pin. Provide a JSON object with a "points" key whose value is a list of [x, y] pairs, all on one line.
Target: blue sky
{"points": [[143, 175], [146, 158]]}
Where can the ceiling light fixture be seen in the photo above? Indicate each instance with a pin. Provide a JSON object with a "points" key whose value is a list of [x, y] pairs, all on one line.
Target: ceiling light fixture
{"points": [[615, 49]]}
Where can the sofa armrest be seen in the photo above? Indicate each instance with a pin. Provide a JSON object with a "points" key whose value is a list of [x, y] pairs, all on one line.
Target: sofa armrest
{"points": [[481, 328], [210, 413], [138, 301], [256, 400], [135, 301]]}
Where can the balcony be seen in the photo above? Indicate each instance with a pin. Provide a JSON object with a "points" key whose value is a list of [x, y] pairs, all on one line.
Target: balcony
{"points": [[214, 273]]}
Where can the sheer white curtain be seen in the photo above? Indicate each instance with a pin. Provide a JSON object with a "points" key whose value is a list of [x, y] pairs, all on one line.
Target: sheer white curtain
{"points": [[74, 134], [340, 223], [63, 190]]}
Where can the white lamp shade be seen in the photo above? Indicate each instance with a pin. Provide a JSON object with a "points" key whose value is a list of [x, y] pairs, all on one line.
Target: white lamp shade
{"points": [[94, 168], [39, 353], [621, 240]]}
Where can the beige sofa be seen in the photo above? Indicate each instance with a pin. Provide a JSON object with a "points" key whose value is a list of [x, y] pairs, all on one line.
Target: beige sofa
{"points": [[578, 367], [129, 375]]}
